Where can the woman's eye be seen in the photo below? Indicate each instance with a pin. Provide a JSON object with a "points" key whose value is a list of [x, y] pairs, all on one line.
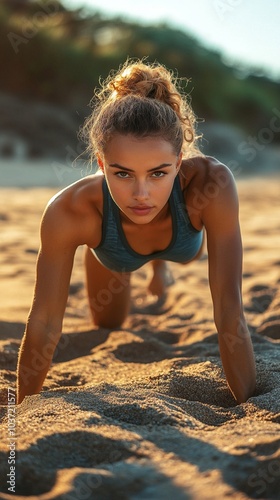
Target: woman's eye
{"points": [[122, 175], [158, 174]]}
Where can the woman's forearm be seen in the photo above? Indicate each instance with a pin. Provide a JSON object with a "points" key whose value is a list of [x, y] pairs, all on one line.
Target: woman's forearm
{"points": [[34, 360], [237, 357]]}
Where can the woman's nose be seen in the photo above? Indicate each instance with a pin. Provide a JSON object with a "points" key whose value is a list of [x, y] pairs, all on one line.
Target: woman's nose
{"points": [[141, 191]]}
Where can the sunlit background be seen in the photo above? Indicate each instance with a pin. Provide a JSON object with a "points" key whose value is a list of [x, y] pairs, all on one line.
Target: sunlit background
{"points": [[246, 33], [53, 55]]}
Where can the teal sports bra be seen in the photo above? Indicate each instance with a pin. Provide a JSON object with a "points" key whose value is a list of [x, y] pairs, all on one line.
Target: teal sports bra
{"points": [[115, 253]]}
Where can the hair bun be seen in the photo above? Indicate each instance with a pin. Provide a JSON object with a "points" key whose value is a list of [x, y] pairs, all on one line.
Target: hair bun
{"points": [[142, 80]]}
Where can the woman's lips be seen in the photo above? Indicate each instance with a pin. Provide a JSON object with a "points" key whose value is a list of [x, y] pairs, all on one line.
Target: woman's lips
{"points": [[141, 209]]}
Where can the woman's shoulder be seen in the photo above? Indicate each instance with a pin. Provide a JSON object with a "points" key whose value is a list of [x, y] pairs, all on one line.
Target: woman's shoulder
{"points": [[77, 211], [83, 195], [205, 173], [205, 181]]}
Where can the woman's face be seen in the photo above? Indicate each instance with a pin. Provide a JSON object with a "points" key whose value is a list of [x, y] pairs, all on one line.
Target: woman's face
{"points": [[140, 173]]}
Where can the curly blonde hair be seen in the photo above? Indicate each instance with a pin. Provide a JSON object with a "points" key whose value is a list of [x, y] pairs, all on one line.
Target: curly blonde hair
{"points": [[143, 100]]}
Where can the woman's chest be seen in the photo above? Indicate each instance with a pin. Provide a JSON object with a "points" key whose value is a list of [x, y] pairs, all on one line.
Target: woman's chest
{"points": [[147, 239]]}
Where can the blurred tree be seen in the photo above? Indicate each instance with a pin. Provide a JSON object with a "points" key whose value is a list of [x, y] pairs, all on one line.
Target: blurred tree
{"points": [[57, 55]]}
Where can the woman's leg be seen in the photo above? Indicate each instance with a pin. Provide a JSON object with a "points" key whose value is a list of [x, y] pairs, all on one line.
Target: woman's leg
{"points": [[108, 293], [162, 277]]}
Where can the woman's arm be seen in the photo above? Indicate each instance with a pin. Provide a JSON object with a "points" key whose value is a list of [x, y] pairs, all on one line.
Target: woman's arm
{"points": [[220, 217], [43, 330]]}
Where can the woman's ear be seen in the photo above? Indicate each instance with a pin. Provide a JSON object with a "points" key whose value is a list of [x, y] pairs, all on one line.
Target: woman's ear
{"points": [[100, 162]]}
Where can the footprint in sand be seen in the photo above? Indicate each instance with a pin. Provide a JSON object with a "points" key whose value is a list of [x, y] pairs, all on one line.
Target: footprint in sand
{"points": [[135, 414], [141, 352], [270, 328], [261, 298], [69, 379]]}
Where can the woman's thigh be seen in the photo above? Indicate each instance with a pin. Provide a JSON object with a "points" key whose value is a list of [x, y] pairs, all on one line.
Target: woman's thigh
{"points": [[108, 293]]}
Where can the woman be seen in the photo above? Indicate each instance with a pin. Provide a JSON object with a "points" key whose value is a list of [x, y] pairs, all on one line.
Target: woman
{"points": [[151, 200]]}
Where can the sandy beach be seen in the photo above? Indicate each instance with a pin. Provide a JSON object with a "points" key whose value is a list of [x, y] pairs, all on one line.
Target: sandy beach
{"points": [[142, 412]]}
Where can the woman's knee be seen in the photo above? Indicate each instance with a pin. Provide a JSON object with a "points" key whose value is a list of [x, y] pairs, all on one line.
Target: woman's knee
{"points": [[108, 294], [106, 322], [108, 317]]}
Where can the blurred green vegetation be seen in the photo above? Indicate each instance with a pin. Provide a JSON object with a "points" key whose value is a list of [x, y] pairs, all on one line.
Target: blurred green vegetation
{"points": [[55, 55]]}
